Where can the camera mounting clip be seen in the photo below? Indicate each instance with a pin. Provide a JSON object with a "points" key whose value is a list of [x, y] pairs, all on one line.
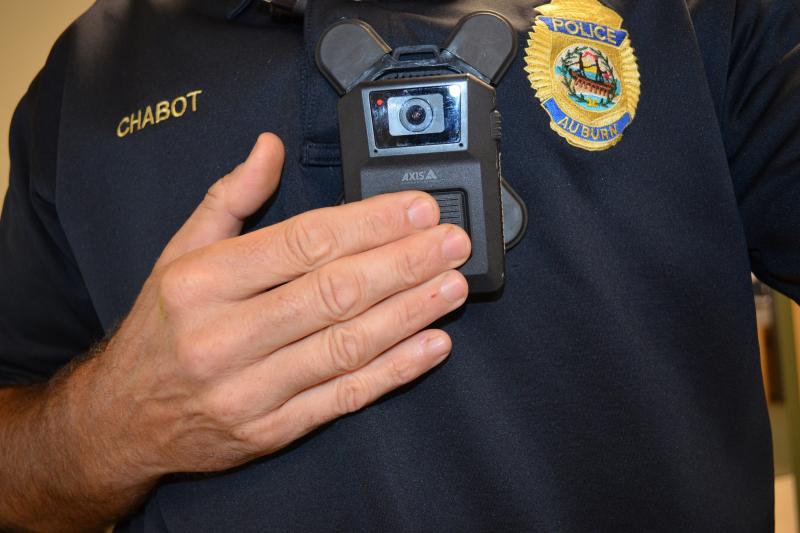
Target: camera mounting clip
{"points": [[350, 52]]}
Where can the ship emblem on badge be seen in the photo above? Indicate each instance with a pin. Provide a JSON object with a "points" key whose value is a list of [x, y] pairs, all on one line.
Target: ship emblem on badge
{"points": [[582, 66]]}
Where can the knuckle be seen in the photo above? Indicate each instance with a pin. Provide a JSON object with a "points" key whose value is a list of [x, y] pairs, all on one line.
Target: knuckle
{"points": [[224, 410], [352, 394], [181, 284], [377, 223], [271, 432], [411, 311], [410, 267], [347, 347], [215, 192], [249, 439], [401, 370], [339, 292], [309, 242], [214, 198], [243, 435]]}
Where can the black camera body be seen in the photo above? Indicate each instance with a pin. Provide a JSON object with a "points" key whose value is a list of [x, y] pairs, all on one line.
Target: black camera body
{"points": [[424, 118]]}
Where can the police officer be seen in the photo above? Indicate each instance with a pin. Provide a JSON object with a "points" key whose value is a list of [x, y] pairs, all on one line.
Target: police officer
{"points": [[613, 385]]}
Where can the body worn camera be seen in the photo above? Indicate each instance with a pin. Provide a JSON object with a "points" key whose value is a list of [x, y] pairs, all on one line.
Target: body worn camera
{"points": [[425, 118]]}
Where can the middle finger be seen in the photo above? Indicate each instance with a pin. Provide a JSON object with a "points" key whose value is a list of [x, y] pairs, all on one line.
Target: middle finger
{"points": [[340, 291]]}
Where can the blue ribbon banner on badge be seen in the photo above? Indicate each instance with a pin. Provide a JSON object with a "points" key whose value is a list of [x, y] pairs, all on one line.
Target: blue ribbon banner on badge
{"points": [[583, 131]]}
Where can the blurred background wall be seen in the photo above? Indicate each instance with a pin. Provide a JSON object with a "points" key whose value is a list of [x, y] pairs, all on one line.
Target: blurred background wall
{"points": [[27, 31]]}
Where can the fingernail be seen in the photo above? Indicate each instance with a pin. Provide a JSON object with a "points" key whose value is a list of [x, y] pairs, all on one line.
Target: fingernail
{"points": [[456, 246], [454, 288], [422, 214], [435, 347]]}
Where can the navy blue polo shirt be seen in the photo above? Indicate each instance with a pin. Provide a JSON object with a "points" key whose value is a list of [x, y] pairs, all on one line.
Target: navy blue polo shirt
{"points": [[614, 385]]}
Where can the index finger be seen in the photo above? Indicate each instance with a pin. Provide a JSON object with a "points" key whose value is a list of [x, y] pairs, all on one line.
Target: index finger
{"points": [[252, 263]]}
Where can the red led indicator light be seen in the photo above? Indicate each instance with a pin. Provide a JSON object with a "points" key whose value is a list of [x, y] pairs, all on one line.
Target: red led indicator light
{"points": [[379, 102]]}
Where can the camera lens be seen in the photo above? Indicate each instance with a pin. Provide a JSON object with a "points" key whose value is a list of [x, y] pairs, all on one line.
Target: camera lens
{"points": [[416, 115]]}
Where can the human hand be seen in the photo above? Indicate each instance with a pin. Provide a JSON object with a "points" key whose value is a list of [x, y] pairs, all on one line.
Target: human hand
{"points": [[239, 345]]}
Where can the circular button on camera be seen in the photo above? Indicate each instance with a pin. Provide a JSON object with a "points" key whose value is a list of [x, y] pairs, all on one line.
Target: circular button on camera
{"points": [[416, 115]]}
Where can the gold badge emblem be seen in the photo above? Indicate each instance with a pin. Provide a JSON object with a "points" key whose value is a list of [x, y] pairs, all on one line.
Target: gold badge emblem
{"points": [[582, 66]]}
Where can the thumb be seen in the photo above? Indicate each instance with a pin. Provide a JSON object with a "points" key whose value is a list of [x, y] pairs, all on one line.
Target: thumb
{"points": [[231, 200]]}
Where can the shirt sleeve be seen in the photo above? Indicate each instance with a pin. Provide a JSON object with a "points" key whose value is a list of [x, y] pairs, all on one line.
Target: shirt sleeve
{"points": [[761, 127], [46, 315]]}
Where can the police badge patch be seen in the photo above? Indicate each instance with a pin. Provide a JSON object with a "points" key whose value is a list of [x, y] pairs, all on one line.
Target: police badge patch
{"points": [[582, 66]]}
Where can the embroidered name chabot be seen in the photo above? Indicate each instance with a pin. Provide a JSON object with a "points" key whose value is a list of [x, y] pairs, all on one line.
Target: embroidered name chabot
{"points": [[158, 113]]}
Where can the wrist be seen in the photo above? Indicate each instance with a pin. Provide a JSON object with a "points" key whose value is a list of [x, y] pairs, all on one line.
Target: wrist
{"points": [[57, 464], [101, 423]]}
